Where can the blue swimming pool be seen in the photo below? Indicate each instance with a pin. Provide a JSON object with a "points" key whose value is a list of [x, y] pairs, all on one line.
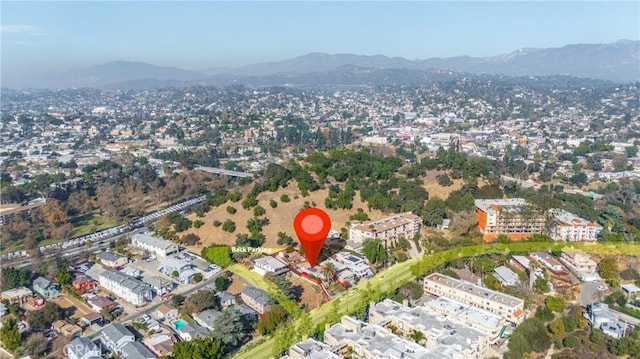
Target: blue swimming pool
{"points": [[179, 324]]}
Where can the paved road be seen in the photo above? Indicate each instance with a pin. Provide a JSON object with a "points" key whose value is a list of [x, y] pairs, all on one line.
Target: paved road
{"points": [[221, 171], [100, 240]]}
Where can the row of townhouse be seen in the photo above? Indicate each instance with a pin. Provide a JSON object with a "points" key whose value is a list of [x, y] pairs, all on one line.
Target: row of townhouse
{"points": [[128, 288], [508, 306], [157, 246]]}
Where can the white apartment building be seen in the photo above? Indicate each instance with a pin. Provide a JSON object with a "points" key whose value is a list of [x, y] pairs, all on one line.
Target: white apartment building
{"points": [[373, 341], [128, 288], [388, 229], [571, 228], [510, 307], [157, 246], [482, 320], [310, 349], [438, 330]]}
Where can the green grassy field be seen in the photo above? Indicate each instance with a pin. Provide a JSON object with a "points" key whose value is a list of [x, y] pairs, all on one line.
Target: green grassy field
{"points": [[90, 222]]}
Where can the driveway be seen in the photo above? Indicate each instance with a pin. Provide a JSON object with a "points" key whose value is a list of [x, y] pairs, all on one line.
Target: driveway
{"points": [[589, 293]]}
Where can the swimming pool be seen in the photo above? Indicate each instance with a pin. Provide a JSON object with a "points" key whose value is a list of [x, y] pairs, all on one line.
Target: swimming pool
{"points": [[179, 324]]}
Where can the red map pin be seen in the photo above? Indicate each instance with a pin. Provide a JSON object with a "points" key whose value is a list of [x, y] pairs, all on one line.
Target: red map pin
{"points": [[312, 226]]}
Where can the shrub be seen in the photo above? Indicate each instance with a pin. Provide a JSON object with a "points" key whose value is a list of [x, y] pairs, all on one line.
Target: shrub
{"points": [[258, 211], [218, 254], [197, 223], [555, 304], [285, 198], [231, 210], [229, 226]]}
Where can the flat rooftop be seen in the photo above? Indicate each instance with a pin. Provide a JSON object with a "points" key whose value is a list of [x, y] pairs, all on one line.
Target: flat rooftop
{"points": [[475, 290], [442, 329], [387, 223], [311, 349], [465, 312], [380, 341], [489, 205]]}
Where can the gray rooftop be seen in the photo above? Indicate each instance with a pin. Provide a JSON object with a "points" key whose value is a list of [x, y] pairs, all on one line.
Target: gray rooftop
{"points": [[475, 290], [81, 346], [507, 274], [108, 256], [136, 350], [115, 332], [378, 340], [152, 241], [485, 204], [207, 316], [133, 284], [42, 282], [312, 349], [258, 295], [465, 312], [442, 330]]}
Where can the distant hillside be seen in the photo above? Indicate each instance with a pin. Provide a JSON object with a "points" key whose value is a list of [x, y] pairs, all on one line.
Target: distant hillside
{"points": [[618, 62], [122, 72]]}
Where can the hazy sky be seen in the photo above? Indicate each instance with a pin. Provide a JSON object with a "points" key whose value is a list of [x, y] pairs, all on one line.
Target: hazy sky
{"points": [[44, 36]]}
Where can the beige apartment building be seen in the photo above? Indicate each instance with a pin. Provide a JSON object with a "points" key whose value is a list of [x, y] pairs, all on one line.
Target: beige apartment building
{"points": [[388, 230], [510, 307]]}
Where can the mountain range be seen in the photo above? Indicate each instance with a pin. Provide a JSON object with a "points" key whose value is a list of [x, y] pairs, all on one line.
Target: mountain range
{"points": [[616, 62]]}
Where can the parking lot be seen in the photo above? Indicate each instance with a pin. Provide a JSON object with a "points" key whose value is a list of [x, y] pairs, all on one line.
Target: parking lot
{"points": [[110, 232]]}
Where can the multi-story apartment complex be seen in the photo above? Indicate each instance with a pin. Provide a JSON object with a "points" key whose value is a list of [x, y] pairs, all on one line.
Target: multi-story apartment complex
{"points": [[310, 349], [438, 327], [374, 341], [510, 307], [157, 246], [128, 288], [482, 320], [571, 228], [388, 230], [513, 217]]}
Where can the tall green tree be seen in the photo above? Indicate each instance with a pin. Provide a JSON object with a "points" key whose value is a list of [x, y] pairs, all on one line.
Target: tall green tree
{"points": [[229, 328], [207, 348], [10, 334]]}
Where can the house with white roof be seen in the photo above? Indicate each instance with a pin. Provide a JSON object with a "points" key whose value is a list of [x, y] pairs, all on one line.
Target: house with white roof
{"points": [[506, 276], [158, 246], [269, 265]]}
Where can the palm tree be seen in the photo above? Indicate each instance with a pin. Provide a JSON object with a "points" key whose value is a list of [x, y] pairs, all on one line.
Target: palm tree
{"points": [[417, 336], [329, 271]]}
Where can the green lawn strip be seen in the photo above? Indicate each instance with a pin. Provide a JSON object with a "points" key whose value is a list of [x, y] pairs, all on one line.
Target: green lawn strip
{"points": [[89, 223], [402, 273], [261, 282]]}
